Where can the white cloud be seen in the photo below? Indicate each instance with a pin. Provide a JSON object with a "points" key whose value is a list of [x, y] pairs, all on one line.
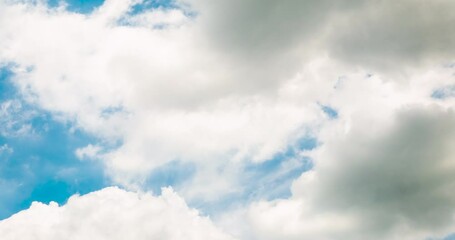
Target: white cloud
{"points": [[88, 152], [112, 213], [177, 98]]}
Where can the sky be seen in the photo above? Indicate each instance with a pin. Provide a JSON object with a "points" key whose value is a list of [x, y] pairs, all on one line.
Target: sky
{"points": [[227, 119]]}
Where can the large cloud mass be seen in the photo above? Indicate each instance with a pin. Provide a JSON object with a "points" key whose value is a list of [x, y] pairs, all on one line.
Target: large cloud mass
{"points": [[210, 85], [394, 182], [112, 213], [223, 84]]}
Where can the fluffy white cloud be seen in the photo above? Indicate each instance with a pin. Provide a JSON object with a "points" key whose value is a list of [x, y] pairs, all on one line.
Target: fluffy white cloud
{"points": [[175, 92], [163, 93], [112, 213]]}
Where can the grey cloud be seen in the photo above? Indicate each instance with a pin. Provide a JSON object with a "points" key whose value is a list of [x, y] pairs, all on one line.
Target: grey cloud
{"points": [[406, 176], [266, 27], [373, 34], [256, 35], [394, 185], [385, 33]]}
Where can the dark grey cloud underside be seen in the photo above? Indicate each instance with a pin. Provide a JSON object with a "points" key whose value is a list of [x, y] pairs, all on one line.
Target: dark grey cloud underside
{"points": [[375, 34], [406, 176]]}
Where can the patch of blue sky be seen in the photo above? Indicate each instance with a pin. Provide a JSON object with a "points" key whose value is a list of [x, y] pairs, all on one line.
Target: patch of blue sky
{"points": [[172, 174], [267, 180], [40, 164], [444, 92], [78, 6], [6, 88], [149, 5], [88, 6], [329, 111], [278, 172], [146, 5], [275, 182]]}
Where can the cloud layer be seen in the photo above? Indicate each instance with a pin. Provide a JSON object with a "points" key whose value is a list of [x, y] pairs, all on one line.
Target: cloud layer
{"points": [[222, 85]]}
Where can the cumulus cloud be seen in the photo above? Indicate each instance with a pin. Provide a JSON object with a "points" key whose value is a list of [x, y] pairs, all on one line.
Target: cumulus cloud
{"points": [[162, 92], [181, 91], [391, 183], [221, 83], [112, 213]]}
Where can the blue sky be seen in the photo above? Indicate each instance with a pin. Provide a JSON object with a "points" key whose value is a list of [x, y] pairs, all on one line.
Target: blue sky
{"points": [[40, 164], [268, 119], [87, 6], [79, 6]]}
